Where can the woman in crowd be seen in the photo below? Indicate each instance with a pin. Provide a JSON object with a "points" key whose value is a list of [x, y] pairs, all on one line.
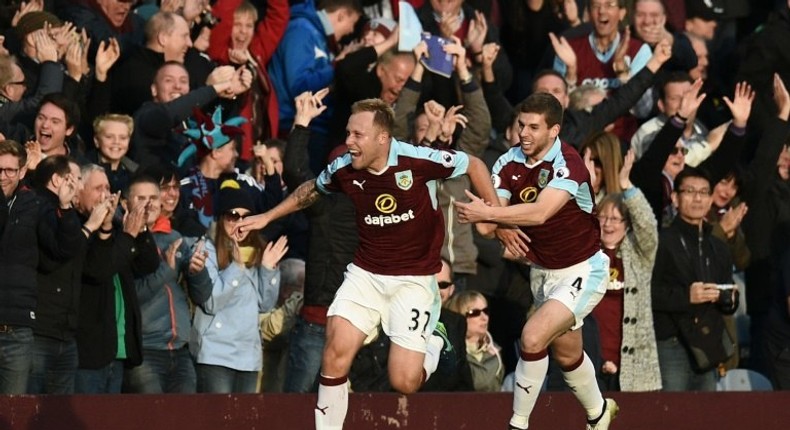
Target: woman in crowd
{"points": [[481, 351], [624, 316], [607, 158], [225, 341]]}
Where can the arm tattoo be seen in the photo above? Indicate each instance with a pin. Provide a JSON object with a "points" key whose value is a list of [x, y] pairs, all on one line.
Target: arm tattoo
{"points": [[306, 194]]}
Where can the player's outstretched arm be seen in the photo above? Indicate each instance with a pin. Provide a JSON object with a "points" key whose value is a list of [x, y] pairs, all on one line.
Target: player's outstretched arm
{"points": [[302, 197], [548, 203], [481, 181]]}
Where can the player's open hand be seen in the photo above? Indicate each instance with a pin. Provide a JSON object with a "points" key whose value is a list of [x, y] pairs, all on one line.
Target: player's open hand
{"points": [[475, 211], [514, 240]]}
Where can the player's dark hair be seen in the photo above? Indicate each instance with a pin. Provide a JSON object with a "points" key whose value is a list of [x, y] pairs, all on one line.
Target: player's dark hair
{"points": [[544, 104]]}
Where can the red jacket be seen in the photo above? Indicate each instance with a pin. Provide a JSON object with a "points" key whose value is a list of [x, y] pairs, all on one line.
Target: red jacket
{"points": [[268, 32]]}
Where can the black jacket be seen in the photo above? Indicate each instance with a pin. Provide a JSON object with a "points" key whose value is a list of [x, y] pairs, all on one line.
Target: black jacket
{"points": [[576, 124], [154, 140], [23, 236], [685, 255], [333, 230], [58, 281], [97, 335]]}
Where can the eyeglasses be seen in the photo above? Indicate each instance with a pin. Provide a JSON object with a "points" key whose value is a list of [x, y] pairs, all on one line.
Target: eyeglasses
{"points": [[679, 150], [604, 6], [234, 216], [613, 219], [443, 285], [472, 313], [9, 172], [691, 192]]}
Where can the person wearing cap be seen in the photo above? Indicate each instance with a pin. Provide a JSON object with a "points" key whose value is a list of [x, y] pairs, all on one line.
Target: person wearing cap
{"points": [[225, 341], [239, 41], [213, 143], [167, 366], [702, 16]]}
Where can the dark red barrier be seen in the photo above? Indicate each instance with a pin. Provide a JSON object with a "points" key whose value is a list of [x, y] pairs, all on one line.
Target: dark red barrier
{"points": [[452, 411]]}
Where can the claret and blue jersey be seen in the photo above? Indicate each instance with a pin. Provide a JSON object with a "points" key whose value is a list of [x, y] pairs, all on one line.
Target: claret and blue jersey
{"points": [[400, 225], [572, 235]]}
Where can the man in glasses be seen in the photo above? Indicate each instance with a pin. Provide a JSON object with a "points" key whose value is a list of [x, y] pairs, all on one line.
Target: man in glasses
{"points": [[23, 236], [691, 267]]}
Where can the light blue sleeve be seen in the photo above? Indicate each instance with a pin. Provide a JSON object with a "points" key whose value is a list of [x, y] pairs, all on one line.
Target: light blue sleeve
{"points": [[268, 288], [324, 180], [640, 59], [559, 66]]}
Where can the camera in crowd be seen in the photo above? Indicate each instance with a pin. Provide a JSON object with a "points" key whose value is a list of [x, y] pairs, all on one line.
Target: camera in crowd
{"points": [[207, 19], [728, 296]]}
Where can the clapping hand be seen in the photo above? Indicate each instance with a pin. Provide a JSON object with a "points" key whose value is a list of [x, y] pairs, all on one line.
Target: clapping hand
{"points": [[741, 105], [34, 154], [589, 164], [731, 219], [134, 220], [172, 252], [67, 190], [476, 35], [625, 171], [106, 55], [691, 101], [274, 252], [198, 260], [451, 120], [781, 98]]}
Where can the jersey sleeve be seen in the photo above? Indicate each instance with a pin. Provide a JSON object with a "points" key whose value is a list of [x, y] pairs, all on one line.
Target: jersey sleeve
{"points": [[569, 175], [326, 182], [441, 164], [498, 177]]}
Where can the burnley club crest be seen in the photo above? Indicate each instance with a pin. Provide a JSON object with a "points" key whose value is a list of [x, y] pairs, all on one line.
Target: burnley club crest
{"points": [[404, 180]]}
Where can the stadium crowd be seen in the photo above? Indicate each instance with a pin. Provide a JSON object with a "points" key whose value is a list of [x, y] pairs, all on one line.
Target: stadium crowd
{"points": [[136, 134]]}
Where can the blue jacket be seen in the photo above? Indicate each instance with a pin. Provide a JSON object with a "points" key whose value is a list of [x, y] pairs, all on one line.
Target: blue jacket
{"points": [[302, 62], [225, 330], [163, 302]]}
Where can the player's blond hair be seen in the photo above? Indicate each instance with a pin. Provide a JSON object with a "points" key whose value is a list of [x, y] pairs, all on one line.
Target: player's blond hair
{"points": [[383, 115]]}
